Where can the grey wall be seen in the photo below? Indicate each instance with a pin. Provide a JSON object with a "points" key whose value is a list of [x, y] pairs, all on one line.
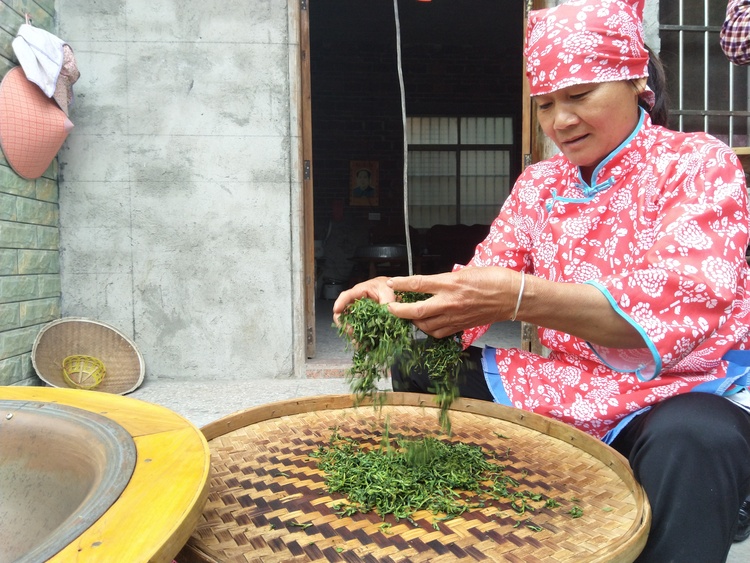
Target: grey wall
{"points": [[179, 192]]}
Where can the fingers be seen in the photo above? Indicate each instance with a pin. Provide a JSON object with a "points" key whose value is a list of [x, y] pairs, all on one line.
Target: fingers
{"points": [[409, 311], [427, 315], [406, 283], [459, 300], [344, 299], [419, 283], [436, 328], [375, 289]]}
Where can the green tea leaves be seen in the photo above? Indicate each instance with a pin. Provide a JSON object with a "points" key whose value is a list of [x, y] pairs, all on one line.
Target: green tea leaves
{"points": [[379, 339]]}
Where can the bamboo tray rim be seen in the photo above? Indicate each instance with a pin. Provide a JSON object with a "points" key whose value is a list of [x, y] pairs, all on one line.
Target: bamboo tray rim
{"points": [[625, 549]]}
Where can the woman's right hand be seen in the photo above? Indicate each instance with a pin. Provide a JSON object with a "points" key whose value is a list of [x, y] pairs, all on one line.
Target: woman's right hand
{"points": [[376, 289]]}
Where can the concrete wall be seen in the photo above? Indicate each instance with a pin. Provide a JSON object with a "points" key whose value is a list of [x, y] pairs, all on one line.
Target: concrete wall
{"points": [[179, 187], [29, 235]]}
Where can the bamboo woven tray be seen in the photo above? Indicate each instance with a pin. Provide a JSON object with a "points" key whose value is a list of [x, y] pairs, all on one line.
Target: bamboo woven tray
{"points": [[73, 336], [263, 479]]}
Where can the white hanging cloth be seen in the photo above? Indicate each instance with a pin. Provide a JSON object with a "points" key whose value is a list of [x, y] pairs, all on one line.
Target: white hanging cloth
{"points": [[48, 62]]}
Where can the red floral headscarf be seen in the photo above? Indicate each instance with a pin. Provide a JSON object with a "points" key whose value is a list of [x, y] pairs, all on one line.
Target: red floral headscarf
{"points": [[586, 41]]}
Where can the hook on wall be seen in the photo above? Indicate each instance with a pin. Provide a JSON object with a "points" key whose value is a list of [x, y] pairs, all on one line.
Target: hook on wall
{"points": [[28, 18]]}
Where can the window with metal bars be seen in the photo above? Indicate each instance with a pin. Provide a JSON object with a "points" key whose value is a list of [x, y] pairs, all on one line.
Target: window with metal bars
{"points": [[458, 169], [706, 91]]}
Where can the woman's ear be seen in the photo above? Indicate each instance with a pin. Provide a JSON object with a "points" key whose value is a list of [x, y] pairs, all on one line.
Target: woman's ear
{"points": [[640, 84]]}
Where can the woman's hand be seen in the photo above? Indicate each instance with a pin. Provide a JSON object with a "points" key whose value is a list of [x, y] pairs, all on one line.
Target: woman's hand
{"points": [[376, 289], [460, 300], [475, 296]]}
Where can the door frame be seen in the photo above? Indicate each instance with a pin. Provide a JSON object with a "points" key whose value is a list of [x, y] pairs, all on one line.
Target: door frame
{"points": [[532, 150], [308, 218]]}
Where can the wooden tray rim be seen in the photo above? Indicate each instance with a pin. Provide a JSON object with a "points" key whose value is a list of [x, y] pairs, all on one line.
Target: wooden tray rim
{"points": [[624, 550]]}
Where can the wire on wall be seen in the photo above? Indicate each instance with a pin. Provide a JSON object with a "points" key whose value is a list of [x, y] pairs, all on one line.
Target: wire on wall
{"points": [[406, 145]]}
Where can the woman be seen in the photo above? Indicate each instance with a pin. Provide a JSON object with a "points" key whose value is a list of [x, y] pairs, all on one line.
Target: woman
{"points": [[628, 249]]}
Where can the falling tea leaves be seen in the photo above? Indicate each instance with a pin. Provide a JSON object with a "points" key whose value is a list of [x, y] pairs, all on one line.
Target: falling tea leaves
{"points": [[380, 339]]}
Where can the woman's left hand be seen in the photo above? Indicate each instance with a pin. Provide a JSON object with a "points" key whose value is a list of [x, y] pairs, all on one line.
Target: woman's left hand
{"points": [[460, 300]]}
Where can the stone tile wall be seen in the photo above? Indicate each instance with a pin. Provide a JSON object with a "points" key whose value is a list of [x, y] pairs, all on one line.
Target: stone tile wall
{"points": [[29, 231]]}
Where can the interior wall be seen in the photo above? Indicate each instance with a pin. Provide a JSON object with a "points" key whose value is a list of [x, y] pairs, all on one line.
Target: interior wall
{"points": [[180, 185], [458, 58]]}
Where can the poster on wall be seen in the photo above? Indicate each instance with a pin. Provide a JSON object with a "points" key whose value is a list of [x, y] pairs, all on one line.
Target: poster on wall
{"points": [[363, 182]]}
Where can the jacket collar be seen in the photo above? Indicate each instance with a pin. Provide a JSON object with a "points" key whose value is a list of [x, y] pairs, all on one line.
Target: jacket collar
{"points": [[617, 164]]}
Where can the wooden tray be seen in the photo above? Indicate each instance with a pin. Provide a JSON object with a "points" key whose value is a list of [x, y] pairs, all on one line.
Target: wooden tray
{"points": [[263, 479]]}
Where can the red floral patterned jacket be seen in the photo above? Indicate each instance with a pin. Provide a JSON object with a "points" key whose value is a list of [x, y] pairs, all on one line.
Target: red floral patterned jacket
{"points": [[662, 232]]}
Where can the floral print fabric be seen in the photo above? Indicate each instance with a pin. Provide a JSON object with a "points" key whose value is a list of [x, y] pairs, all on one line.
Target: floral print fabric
{"points": [[662, 231], [585, 41]]}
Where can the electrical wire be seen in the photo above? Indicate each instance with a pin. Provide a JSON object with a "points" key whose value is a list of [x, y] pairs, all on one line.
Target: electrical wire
{"points": [[406, 145]]}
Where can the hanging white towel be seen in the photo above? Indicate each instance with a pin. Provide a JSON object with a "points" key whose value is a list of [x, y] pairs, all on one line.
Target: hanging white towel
{"points": [[41, 56]]}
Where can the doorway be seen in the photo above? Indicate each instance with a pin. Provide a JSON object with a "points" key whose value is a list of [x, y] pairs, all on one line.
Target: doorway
{"points": [[459, 61]]}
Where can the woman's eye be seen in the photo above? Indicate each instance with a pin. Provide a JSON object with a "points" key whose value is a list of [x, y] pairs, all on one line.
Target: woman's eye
{"points": [[546, 105], [578, 96]]}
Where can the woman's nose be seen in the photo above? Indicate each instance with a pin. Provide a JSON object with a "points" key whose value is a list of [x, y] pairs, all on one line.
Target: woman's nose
{"points": [[564, 118]]}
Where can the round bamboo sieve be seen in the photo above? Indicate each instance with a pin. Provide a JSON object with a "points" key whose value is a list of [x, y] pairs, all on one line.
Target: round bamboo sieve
{"points": [[77, 336], [268, 501]]}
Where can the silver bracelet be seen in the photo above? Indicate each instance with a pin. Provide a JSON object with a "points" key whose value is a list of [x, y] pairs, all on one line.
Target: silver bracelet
{"points": [[520, 296]]}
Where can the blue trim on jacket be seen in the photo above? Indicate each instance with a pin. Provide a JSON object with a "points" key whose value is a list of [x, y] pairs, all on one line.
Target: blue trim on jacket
{"points": [[590, 191], [492, 376], [738, 377], [646, 339]]}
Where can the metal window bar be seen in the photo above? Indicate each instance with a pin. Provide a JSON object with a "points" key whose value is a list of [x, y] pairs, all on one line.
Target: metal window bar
{"points": [[705, 65], [721, 111], [459, 137]]}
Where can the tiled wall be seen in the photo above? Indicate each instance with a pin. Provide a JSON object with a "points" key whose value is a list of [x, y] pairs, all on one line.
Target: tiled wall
{"points": [[29, 230]]}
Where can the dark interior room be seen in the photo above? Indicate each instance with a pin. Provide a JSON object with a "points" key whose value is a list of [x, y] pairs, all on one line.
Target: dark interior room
{"points": [[460, 60]]}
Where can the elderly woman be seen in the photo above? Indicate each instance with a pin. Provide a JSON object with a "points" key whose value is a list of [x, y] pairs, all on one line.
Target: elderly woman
{"points": [[628, 250]]}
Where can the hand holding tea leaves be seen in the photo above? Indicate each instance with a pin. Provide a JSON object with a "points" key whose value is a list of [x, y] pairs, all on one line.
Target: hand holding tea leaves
{"points": [[415, 474], [380, 339]]}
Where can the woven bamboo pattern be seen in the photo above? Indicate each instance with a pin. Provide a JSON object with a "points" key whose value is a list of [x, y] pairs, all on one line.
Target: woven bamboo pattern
{"points": [[268, 501], [70, 336]]}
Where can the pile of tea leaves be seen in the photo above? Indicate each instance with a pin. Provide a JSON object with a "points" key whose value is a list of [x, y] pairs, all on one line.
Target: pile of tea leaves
{"points": [[405, 475], [401, 478], [379, 339]]}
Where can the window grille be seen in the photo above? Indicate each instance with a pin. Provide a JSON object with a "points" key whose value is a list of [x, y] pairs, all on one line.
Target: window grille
{"points": [[459, 169], [706, 91]]}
